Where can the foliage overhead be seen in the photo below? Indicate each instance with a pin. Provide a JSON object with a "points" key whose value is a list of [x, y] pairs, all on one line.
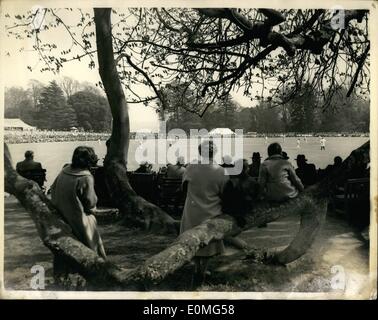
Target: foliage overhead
{"points": [[267, 54]]}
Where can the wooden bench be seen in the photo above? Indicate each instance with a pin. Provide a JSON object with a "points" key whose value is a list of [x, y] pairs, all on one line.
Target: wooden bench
{"points": [[171, 193], [357, 201], [155, 188], [144, 184], [103, 197], [353, 201]]}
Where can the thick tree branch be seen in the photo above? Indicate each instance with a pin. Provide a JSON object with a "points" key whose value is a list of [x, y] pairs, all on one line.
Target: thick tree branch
{"points": [[241, 69], [314, 42]]}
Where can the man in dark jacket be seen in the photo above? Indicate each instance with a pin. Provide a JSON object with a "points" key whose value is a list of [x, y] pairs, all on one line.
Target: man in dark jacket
{"points": [[28, 164], [305, 171], [31, 169], [254, 167]]}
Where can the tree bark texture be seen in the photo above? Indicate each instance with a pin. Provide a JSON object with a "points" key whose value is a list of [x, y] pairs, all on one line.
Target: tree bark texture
{"points": [[135, 209]]}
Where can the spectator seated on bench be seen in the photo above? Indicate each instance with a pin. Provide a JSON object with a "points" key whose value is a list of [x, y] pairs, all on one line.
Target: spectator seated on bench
{"points": [[144, 184], [31, 169], [37, 175]]}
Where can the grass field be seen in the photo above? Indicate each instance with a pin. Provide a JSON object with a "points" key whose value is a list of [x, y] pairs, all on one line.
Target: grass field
{"points": [[54, 155]]}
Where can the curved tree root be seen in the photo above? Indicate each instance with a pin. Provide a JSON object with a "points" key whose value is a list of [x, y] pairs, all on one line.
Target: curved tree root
{"points": [[313, 215]]}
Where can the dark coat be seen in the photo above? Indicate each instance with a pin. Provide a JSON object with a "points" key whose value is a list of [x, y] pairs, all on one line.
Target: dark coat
{"points": [[28, 165], [307, 173]]}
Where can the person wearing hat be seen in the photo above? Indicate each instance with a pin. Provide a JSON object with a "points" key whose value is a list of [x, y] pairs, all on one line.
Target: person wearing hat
{"points": [[277, 177], [177, 170], [305, 171], [284, 154], [254, 167]]}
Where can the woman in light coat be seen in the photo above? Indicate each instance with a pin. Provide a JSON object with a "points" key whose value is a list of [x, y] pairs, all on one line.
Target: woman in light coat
{"points": [[73, 194], [203, 183]]}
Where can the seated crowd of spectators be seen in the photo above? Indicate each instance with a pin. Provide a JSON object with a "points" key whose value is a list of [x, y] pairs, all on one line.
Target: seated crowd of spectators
{"points": [[15, 137]]}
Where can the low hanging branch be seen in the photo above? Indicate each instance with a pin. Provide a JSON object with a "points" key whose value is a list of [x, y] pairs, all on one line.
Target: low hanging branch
{"points": [[313, 40]]}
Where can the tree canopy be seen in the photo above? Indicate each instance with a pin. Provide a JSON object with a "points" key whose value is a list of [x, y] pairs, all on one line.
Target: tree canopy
{"points": [[38, 104], [267, 54]]}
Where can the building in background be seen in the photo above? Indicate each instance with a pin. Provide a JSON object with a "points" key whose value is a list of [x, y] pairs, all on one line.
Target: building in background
{"points": [[17, 124]]}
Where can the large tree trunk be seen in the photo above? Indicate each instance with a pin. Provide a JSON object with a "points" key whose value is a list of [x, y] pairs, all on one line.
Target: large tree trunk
{"points": [[57, 236], [135, 209]]}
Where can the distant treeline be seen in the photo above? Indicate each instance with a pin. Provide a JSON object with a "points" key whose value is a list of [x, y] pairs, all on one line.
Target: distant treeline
{"points": [[59, 106], [304, 113], [69, 103]]}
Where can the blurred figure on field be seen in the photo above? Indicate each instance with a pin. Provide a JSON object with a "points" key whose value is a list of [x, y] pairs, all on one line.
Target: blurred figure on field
{"points": [[298, 143], [322, 143]]}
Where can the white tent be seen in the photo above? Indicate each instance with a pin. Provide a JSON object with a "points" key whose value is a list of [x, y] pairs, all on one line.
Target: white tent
{"points": [[17, 124], [221, 132]]}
